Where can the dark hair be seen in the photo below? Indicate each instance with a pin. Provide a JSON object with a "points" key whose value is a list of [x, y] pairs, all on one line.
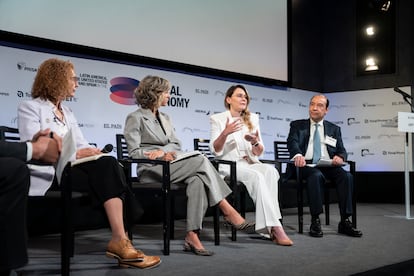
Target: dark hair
{"points": [[245, 113], [327, 100]]}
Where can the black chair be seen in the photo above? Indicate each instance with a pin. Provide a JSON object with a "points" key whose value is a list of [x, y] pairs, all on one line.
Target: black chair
{"points": [[282, 156], [65, 199], [168, 190], [238, 196]]}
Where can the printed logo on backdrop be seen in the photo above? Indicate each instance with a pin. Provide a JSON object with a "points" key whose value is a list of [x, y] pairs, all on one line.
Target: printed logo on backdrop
{"points": [[201, 111], [3, 93], [92, 80], [387, 152], [300, 104], [338, 122], [372, 104], [273, 118], [389, 136], [284, 102], [201, 91], [363, 137], [399, 103], [281, 136], [194, 130], [382, 122], [340, 106], [267, 100], [352, 121], [122, 90], [177, 99], [112, 126], [85, 125], [23, 67], [391, 122], [219, 93], [365, 152]]}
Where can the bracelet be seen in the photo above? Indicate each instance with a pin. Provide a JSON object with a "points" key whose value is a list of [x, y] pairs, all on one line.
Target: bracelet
{"points": [[255, 145]]}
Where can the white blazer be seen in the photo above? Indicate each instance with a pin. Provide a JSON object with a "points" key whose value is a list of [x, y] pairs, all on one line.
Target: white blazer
{"points": [[35, 115], [232, 149]]}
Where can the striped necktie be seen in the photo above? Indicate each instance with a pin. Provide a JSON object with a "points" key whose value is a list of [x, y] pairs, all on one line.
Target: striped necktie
{"points": [[316, 146]]}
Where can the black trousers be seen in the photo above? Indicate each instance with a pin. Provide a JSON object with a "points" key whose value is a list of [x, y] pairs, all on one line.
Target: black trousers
{"points": [[14, 188], [104, 179], [315, 178]]}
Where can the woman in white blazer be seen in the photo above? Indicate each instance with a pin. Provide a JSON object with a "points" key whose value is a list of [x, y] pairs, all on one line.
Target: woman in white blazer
{"points": [[235, 136], [102, 178]]}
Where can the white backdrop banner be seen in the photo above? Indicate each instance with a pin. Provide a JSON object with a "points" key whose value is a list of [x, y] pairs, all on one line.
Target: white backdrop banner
{"points": [[104, 98]]}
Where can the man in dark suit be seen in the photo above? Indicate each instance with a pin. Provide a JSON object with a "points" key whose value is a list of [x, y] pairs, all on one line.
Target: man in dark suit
{"points": [[307, 146], [14, 186]]}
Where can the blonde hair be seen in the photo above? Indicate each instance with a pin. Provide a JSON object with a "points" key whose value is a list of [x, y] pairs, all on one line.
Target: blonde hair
{"points": [[149, 91]]}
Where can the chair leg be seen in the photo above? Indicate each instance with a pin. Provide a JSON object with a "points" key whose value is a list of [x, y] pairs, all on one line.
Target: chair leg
{"points": [[166, 223], [216, 219], [300, 207], [326, 192]]}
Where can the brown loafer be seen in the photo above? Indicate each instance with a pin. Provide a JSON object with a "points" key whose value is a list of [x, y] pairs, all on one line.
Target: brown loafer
{"points": [[146, 263], [124, 251]]}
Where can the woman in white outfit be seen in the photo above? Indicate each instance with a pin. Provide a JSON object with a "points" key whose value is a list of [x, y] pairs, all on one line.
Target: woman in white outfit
{"points": [[235, 136]]}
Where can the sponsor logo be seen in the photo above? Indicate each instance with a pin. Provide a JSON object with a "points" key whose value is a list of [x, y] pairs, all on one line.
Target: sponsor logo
{"points": [[266, 100], [219, 93], [194, 130], [371, 104], [352, 121], [302, 105], [339, 106], [273, 118], [359, 137], [207, 112], [22, 94], [365, 152], [4, 93], [389, 136], [91, 80], [399, 103], [280, 135], [386, 152], [391, 122], [23, 67], [338, 122], [285, 102], [85, 125], [122, 90], [112, 125], [201, 91]]}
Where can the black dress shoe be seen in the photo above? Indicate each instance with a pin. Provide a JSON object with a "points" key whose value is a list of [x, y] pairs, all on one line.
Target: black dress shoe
{"points": [[345, 227], [315, 228]]}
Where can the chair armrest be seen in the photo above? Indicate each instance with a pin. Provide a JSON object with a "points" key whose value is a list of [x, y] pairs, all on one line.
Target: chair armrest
{"points": [[126, 163], [232, 164]]}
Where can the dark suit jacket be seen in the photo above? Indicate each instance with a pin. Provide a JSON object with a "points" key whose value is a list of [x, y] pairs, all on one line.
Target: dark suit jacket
{"points": [[299, 134], [12, 149]]}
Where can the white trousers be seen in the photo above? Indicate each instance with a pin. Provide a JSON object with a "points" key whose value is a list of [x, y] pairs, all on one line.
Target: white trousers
{"points": [[261, 181]]}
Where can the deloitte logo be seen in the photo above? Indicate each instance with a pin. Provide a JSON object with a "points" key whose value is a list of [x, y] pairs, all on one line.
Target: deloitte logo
{"points": [[122, 90]]}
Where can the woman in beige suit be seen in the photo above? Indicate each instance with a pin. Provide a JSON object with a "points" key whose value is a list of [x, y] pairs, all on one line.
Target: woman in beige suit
{"points": [[149, 133], [235, 136]]}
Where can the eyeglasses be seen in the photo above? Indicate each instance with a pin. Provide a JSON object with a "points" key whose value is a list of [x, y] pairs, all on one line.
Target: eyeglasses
{"points": [[240, 95]]}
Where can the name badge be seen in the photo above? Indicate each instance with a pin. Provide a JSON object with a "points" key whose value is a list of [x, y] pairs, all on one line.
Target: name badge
{"points": [[330, 141]]}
